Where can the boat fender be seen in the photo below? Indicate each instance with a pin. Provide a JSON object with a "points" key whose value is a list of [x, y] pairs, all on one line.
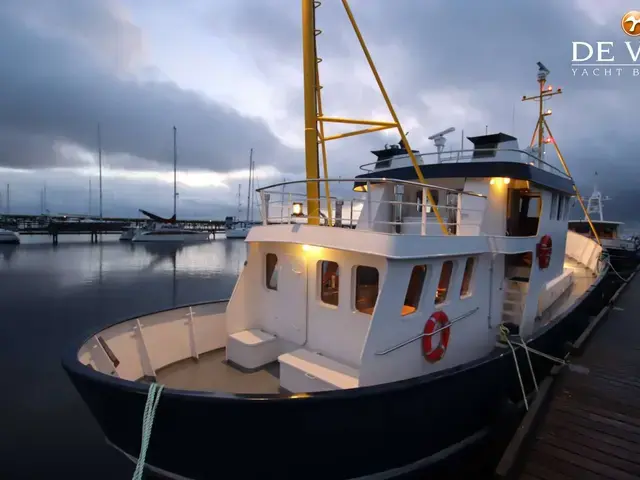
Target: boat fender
{"points": [[438, 321], [543, 251]]}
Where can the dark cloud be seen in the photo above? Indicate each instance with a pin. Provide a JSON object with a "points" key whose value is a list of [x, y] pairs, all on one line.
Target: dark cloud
{"points": [[58, 87]]}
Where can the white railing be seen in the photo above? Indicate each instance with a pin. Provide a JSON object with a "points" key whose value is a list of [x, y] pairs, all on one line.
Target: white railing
{"points": [[381, 210], [465, 156]]}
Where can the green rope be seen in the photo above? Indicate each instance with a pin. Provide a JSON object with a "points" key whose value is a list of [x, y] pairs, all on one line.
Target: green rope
{"points": [[153, 397]]}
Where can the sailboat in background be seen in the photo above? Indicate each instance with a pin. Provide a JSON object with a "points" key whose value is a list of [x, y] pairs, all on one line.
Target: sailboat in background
{"points": [[170, 231], [241, 229]]}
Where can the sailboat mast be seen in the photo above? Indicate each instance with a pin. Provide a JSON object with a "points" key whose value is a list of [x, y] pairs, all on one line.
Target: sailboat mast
{"points": [[100, 165], [175, 169], [239, 200], [249, 190], [90, 195]]}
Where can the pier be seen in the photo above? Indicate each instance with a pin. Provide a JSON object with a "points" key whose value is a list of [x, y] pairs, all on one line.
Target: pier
{"points": [[585, 421], [55, 225]]}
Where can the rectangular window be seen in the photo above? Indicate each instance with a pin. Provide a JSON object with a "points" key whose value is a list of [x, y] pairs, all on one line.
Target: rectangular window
{"points": [[366, 289], [560, 205], [434, 194], [414, 290], [465, 289], [567, 207], [329, 282], [272, 271], [443, 284], [554, 205]]}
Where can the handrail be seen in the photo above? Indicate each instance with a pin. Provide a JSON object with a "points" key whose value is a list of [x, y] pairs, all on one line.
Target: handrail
{"points": [[371, 180], [422, 335], [452, 153]]}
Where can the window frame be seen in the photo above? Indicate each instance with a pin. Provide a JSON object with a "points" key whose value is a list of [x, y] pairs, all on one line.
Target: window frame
{"points": [[451, 276], [469, 292], [320, 274], [354, 289], [420, 292], [268, 278]]}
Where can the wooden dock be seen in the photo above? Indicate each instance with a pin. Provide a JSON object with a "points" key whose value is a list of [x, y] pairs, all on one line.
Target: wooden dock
{"points": [[586, 424]]}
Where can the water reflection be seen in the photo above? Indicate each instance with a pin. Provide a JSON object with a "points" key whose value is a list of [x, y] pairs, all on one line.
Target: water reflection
{"points": [[52, 296], [81, 262]]}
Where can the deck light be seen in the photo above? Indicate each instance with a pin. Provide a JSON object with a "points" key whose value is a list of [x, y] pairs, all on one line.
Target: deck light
{"points": [[297, 209], [506, 181]]}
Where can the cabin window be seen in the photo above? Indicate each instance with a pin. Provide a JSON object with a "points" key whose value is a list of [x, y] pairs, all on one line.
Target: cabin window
{"points": [[465, 289], [554, 205], [523, 212], [443, 284], [329, 282], [434, 194], [567, 207], [414, 290], [366, 286], [560, 206], [272, 271]]}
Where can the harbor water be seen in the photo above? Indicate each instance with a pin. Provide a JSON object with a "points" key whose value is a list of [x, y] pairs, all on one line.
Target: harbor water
{"points": [[51, 296]]}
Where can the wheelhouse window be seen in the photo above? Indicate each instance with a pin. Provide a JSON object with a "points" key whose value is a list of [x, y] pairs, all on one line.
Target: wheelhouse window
{"points": [[329, 282], [366, 288], [560, 207], [465, 289], [429, 208], [554, 205], [445, 280], [272, 271], [414, 290]]}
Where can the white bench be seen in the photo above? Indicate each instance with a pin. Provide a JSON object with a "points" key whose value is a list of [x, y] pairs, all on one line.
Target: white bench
{"points": [[252, 349], [305, 371]]}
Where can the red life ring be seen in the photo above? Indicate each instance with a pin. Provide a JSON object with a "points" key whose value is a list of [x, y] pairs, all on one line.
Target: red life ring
{"points": [[543, 251], [436, 321]]}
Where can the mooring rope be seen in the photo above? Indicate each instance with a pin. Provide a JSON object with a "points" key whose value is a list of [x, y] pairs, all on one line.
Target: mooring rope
{"points": [[153, 397]]}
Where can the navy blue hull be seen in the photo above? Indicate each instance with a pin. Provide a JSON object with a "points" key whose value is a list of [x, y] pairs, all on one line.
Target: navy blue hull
{"points": [[337, 435], [330, 435], [623, 261]]}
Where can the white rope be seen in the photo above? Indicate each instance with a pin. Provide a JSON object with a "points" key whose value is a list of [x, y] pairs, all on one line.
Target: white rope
{"points": [[153, 397], [504, 333]]}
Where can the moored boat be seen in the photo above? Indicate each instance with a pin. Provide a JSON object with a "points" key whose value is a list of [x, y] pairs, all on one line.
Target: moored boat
{"points": [[9, 236], [623, 253], [366, 337]]}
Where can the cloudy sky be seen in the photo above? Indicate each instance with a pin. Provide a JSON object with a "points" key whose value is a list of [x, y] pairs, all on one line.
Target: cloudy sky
{"points": [[228, 74]]}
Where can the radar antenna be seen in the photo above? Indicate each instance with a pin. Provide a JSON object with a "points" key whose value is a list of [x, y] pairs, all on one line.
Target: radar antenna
{"points": [[439, 141]]}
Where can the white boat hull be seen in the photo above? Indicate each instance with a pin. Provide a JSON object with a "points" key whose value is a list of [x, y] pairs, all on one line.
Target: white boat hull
{"points": [[7, 236], [237, 232], [171, 237], [128, 235]]}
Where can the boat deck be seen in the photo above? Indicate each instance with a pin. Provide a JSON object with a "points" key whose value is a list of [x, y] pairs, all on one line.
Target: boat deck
{"points": [[583, 278], [211, 372], [590, 427]]}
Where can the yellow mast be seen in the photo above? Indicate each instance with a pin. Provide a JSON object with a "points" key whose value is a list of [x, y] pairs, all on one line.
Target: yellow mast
{"points": [[538, 132], [315, 119]]}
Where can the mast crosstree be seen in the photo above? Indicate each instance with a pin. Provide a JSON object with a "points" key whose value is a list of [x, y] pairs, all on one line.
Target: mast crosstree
{"points": [[315, 118]]}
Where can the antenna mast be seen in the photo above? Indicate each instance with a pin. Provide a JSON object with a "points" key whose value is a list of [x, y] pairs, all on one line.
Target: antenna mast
{"points": [[538, 133], [175, 171], [315, 118]]}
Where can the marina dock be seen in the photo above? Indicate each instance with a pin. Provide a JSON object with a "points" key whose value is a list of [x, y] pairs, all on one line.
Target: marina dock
{"points": [[77, 225], [585, 421]]}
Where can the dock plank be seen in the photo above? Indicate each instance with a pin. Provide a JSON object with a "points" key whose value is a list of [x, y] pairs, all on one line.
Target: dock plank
{"points": [[590, 427]]}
